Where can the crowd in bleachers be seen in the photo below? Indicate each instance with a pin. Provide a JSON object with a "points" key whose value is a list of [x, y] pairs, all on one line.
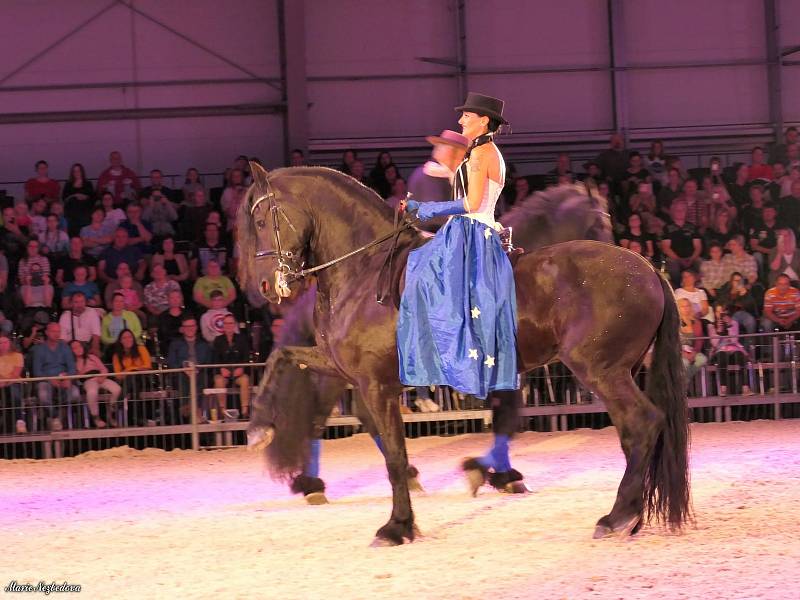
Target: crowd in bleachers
{"points": [[115, 277]]}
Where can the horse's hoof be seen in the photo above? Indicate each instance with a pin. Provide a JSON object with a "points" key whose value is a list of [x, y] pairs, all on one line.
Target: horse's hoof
{"points": [[414, 485], [380, 542], [316, 498], [477, 475], [601, 531], [517, 487], [626, 528]]}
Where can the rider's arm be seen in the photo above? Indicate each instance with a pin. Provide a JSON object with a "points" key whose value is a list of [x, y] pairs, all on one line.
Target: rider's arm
{"points": [[478, 166]]}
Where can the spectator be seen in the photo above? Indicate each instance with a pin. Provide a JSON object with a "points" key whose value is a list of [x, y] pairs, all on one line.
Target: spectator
{"points": [[169, 322], [592, 175], [213, 281], [78, 196], [784, 259], [697, 205], [132, 292], [399, 190], [739, 260], [789, 207], [714, 273], [669, 192], [54, 241], [743, 309], [123, 270], [691, 333], [118, 179], [780, 177], [41, 185], [635, 174], [175, 264], [644, 203], [90, 364], [33, 260], [614, 161], [232, 348], [752, 212], [121, 252], [722, 230], [113, 214], [232, 197], [348, 156], [357, 171], [793, 160], [297, 158], [81, 284], [156, 293], [781, 306], [780, 151], [740, 188], [157, 185], [13, 237], [37, 293], [656, 164], [53, 358], [634, 232], [681, 244], [210, 248], [189, 348], [191, 184], [194, 216], [11, 363], [377, 175], [727, 349], [764, 236], [129, 355], [693, 294], [212, 319], [57, 208], [118, 320], [38, 217], [758, 168], [718, 199], [75, 257], [160, 212], [4, 279], [140, 232], [81, 323], [390, 175], [96, 237], [563, 168]]}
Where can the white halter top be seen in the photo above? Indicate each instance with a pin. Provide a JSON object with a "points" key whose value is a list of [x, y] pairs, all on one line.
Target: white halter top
{"points": [[485, 213]]}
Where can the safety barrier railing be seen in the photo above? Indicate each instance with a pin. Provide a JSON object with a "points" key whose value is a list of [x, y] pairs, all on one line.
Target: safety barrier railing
{"points": [[192, 408]]}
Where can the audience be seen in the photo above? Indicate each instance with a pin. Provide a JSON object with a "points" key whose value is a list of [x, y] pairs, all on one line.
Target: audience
{"points": [[230, 348], [89, 364]]}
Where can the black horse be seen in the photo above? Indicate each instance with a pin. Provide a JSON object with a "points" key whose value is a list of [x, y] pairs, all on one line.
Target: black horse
{"points": [[594, 306]]}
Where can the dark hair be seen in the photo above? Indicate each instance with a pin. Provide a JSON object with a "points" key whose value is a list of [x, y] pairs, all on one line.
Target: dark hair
{"points": [[715, 245], [187, 316], [634, 154], [71, 178], [164, 239], [120, 352], [156, 171], [494, 125], [756, 148], [297, 151], [792, 128], [40, 162]]}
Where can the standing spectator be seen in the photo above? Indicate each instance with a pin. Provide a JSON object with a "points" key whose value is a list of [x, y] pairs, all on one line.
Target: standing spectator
{"points": [[758, 168], [118, 179], [740, 261], [212, 320], [157, 185], [75, 257], [232, 348], [156, 293], [54, 241], [189, 348], [681, 244], [78, 196], [11, 363], [53, 358], [129, 355], [213, 281], [210, 248], [232, 197], [614, 161], [42, 186], [784, 259], [90, 364], [781, 306], [714, 273], [81, 323], [169, 321], [96, 236], [121, 252], [81, 284], [176, 265], [691, 333], [727, 349], [118, 320], [140, 232], [191, 184], [194, 216]]}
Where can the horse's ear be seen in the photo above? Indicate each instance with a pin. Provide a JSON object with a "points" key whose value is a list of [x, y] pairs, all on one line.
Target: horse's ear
{"points": [[259, 174]]}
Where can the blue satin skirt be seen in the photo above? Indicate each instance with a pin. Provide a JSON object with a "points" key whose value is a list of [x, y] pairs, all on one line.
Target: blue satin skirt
{"points": [[458, 314]]}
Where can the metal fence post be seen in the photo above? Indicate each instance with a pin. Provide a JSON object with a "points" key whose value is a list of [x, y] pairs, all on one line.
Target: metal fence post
{"points": [[193, 405], [776, 358]]}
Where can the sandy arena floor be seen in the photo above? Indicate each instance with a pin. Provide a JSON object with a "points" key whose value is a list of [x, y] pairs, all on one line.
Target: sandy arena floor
{"points": [[152, 524]]}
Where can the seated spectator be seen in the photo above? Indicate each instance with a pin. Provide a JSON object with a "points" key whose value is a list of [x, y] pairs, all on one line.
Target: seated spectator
{"points": [[635, 174], [784, 259], [722, 230], [57, 208], [65, 271], [714, 273], [377, 175], [90, 364], [740, 302], [118, 320], [693, 294], [38, 217], [53, 358], [781, 306], [123, 270], [671, 191], [129, 355], [643, 203], [191, 184], [212, 319], [691, 339], [681, 243], [390, 175], [114, 215], [398, 193], [33, 260], [81, 323], [213, 281], [42, 186], [232, 348], [121, 252], [37, 293], [78, 197], [789, 207], [11, 363], [81, 285], [33, 332], [194, 215], [13, 238], [54, 241], [140, 232], [727, 349], [232, 197], [157, 186], [758, 168], [357, 172], [132, 292], [740, 261], [563, 168], [752, 212], [160, 212], [634, 233], [169, 321], [656, 164], [5, 301], [176, 265], [95, 236], [764, 234], [297, 158], [774, 188], [156, 292], [119, 180], [779, 152], [697, 205], [211, 247], [189, 348], [718, 198]]}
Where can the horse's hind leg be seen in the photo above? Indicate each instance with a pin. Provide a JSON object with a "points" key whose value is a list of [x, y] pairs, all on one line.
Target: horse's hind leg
{"points": [[638, 422]]}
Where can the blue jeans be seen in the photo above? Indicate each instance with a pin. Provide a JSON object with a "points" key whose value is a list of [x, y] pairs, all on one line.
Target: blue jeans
{"points": [[44, 389]]}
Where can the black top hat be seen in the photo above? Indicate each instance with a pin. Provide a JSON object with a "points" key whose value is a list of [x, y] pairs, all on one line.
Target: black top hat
{"points": [[484, 106]]}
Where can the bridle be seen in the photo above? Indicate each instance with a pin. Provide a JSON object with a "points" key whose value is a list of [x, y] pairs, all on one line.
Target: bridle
{"points": [[290, 269]]}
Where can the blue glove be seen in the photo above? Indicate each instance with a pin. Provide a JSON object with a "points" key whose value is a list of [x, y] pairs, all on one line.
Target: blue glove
{"points": [[430, 210]]}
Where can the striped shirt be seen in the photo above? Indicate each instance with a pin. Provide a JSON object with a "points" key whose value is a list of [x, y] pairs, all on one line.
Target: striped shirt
{"points": [[782, 304]]}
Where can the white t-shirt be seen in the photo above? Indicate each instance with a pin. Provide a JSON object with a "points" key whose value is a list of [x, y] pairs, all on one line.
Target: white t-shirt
{"points": [[696, 298], [86, 325]]}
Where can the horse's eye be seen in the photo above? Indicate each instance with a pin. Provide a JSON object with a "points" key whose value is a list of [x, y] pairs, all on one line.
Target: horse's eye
{"points": [[261, 223]]}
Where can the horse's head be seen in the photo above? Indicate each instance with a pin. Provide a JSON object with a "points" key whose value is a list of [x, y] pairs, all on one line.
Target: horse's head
{"points": [[273, 228]]}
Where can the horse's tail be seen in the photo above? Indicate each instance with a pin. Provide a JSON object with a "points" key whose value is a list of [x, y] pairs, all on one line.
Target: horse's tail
{"points": [[666, 485]]}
